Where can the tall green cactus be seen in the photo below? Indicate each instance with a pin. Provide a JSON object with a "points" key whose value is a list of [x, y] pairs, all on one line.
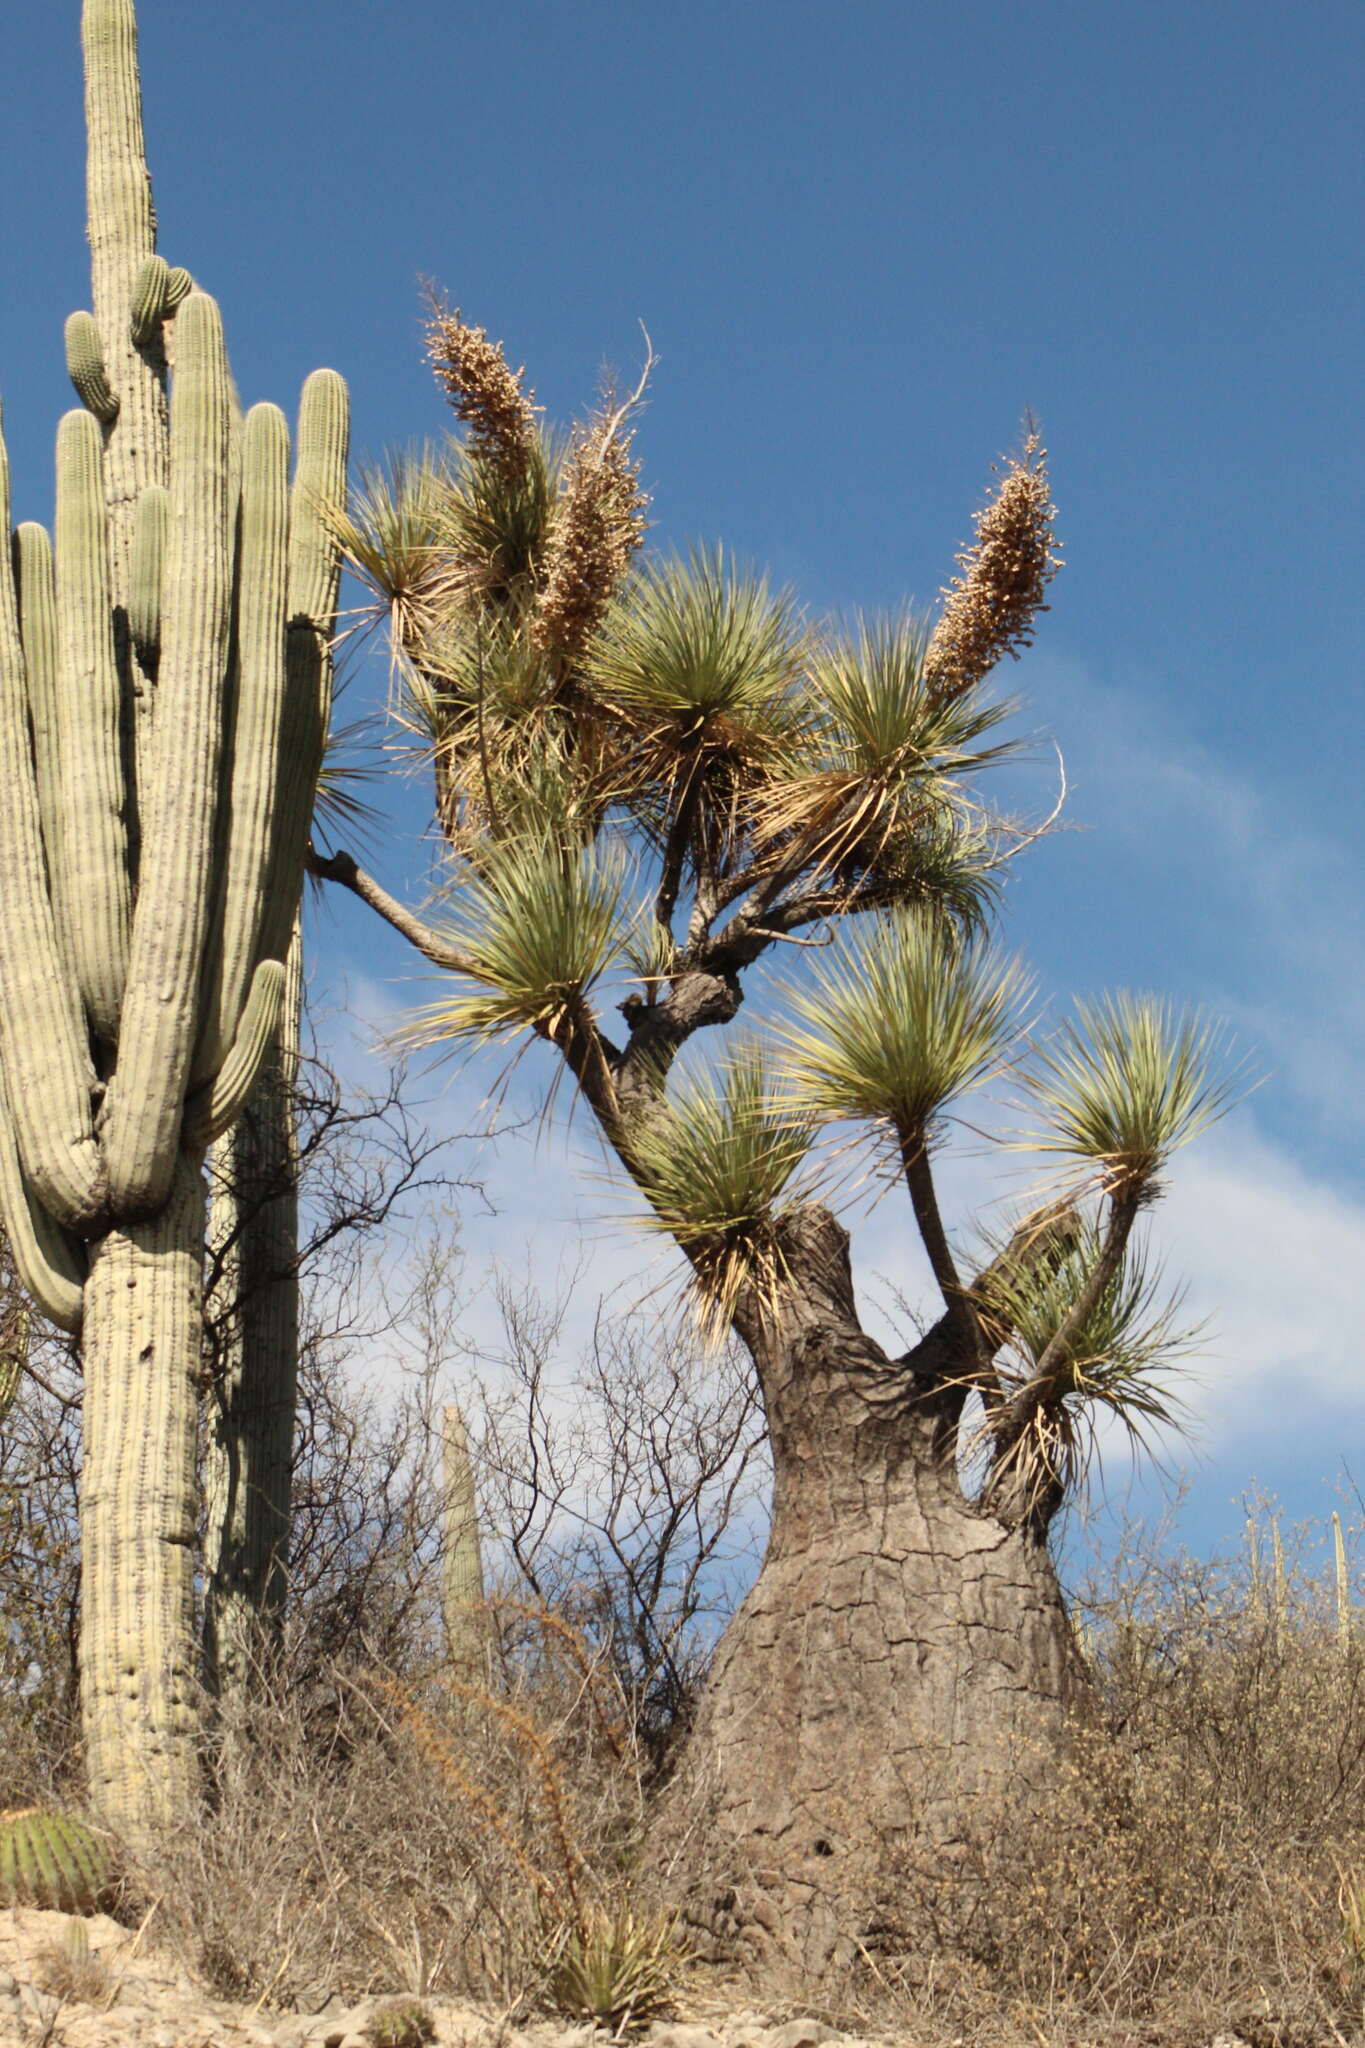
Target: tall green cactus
{"points": [[164, 691], [252, 1396], [463, 1601]]}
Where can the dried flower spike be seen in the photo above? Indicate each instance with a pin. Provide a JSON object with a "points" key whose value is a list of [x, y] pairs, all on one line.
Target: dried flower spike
{"points": [[991, 607], [599, 523], [484, 393]]}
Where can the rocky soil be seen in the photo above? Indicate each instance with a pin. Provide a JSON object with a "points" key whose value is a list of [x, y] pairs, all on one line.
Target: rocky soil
{"points": [[125, 1994], [113, 1989]]}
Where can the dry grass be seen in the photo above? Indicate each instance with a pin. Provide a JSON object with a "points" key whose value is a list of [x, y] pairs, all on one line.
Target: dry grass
{"points": [[68, 1969], [1198, 1864], [408, 1833]]}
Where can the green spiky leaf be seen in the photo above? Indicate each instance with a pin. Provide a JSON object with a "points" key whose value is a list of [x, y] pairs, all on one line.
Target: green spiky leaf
{"points": [[718, 1163], [1125, 1084], [536, 925], [880, 750], [899, 1019], [1118, 1362]]}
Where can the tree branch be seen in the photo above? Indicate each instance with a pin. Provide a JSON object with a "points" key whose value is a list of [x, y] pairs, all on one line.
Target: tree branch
{"points": [[340, 867]]}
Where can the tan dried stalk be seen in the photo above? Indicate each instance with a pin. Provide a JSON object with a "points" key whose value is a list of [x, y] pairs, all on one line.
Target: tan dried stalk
{"points": [[484, 393], [599, 525], [992, 605]]}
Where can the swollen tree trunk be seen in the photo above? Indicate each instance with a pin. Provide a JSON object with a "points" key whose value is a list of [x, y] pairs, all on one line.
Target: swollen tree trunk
{"points": [[138, 1658], [253, 1370], [901, 1654]]}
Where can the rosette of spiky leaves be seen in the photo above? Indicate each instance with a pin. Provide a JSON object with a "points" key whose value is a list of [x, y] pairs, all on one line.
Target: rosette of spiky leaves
{"points": [[1116, 1363], [392, 536], [698, 663], [1124, 1084], [882, 752], [492, 711], [536, 923], [496, 518], [717, 1160], [900, 1017], [615, 1967]]}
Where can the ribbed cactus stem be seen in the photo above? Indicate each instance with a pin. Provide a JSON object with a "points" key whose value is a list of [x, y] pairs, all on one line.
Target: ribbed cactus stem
{"points": [[252, 1396], [51, 1861], [464, 1605], [92, 888], [216, 1107], [85, 367], [1343, 1583], [122, 230], [149, 300], [139, 1670], [314, 579], [42, 1036], [1257, 1569], [171, 919], [148, 574], [38, 626], [255, 718], [49, 1261]]}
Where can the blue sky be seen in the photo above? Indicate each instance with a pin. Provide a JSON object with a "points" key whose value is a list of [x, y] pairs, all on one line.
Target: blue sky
{"points": [[864, 238]]}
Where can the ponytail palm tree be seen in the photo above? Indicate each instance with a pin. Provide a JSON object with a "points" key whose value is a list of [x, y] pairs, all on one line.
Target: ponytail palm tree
{"points": [[652, 776]]}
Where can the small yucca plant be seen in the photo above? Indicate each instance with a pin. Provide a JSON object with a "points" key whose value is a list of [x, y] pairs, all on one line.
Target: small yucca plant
{"points": [[617, 1967]]}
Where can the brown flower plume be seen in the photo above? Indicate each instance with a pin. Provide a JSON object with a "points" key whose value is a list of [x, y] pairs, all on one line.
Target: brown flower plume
{"points": [[599, 524], [484, 393], [991, 607]]}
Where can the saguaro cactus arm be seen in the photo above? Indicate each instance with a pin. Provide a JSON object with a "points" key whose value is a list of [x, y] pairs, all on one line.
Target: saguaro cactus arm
{"points": [[256, 715], [216, 1106], [50, 1262], [50, 1076], [92, 888], [122, 228], [156, 1038]]}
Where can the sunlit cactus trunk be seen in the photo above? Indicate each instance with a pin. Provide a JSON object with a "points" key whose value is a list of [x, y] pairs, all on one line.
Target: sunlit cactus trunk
{"points": [[139, 1664], [164, 693], [252, 1395]]}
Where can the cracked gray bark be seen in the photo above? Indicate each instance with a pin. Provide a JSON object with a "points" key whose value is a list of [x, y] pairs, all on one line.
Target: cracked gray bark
{"points": [[901, 1652]]}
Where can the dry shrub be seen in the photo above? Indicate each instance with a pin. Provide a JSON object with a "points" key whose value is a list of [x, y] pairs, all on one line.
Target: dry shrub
{"points": [[68, 1969], [372, 1831]]}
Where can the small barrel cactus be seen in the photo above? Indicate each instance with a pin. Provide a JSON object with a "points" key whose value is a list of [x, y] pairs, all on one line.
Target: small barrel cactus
{"points": [[51, 1860]]}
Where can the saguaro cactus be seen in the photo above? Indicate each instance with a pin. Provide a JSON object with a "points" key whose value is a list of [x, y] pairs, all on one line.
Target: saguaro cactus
{"points": [[252, 1397], [465, 1615], [164, 687]]}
